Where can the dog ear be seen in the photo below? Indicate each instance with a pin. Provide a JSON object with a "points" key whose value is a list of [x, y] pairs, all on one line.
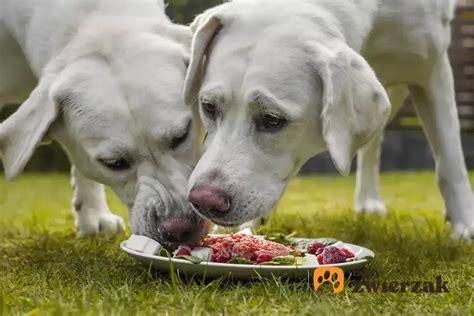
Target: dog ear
{"points": [[23, 131], [355, 104], [205, 27]]}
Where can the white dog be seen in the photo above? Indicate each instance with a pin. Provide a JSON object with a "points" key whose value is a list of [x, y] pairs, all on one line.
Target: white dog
{"points": [[281, 81], [106, 78]]}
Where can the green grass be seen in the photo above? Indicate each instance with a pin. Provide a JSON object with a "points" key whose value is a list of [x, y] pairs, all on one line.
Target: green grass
{"points": [[45, 270]]}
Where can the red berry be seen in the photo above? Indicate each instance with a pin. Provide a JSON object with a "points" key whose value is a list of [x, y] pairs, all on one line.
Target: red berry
{"points": [[347, 253], [332, 255], [183, 251], [319, 251], [264, 258], [316, 248], [320, 258]]}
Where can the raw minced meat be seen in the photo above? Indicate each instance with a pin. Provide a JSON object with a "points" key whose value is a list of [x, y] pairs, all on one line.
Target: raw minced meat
{"points": [[246, 247]]}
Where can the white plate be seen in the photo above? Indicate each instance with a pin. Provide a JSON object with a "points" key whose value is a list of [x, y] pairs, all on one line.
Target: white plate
{"points": [[243, 271]]}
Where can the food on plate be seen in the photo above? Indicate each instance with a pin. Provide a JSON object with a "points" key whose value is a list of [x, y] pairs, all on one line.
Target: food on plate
{"points": [[239, 248], [182, 250], [252, 249], [330, 254], [143, 244], [202, 253], [245, 249], [316, 248]]}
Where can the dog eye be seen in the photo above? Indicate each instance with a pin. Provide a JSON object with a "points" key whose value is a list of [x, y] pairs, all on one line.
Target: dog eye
{"points": [[271, 122], [209, 109], [177, 141], [116, 164]]}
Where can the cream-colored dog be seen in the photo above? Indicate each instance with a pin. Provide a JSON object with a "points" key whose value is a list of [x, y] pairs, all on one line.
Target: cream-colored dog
{"points": [[106, 80], [281, 81]]}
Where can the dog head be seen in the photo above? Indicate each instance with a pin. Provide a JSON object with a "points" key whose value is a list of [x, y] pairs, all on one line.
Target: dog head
{"points": [[113, 100], [273, 91]]}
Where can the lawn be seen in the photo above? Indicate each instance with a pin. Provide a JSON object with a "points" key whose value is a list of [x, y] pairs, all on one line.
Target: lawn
{"points": [[45, 270]]}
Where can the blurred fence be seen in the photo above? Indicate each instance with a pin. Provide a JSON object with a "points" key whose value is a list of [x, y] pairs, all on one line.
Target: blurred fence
{"points": [[405, 146], [465, 2]]}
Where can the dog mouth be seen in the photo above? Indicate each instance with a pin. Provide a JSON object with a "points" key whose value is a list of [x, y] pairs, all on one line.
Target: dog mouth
{"points": [[217, 218]]}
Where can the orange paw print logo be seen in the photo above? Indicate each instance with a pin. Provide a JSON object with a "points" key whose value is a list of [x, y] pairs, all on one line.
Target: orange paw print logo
{"points": [[335, 276]]}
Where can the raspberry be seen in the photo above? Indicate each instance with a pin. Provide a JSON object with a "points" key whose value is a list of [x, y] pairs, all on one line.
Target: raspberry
{"points": [[320, 258], [332, 255], [319, 251], [264, 258], [183, 251], [316, 248], [347, 253]]}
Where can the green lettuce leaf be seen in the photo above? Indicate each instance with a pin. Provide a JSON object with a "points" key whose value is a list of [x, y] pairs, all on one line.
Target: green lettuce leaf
{"points": [[239, 261], [163, 252], [327, 241], [285, 261], [166, 253], [191, 259], [280, 238]]}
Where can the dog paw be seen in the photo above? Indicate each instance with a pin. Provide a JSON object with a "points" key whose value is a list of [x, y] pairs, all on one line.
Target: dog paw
{"points": [[461, 219], [463, 230], [105, 223], [371, 206]]}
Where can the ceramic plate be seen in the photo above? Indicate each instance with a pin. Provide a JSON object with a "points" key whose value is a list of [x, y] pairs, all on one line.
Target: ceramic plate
{"points": [[243, 271]]}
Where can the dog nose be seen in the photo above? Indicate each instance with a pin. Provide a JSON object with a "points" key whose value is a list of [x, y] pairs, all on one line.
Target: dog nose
{"points": [[179, 229], [210, 198]]}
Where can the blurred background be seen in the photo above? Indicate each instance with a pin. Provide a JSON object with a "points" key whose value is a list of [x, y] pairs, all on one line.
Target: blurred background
{"points": [[405, 147]]}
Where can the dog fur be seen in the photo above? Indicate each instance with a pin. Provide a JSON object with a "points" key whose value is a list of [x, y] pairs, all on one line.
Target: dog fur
{"points": [[329, 70], [104, 79]]}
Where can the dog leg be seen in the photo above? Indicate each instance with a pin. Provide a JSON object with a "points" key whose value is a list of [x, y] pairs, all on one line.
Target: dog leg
{"points": [[91, 210], [367, 197], [436, 105]]}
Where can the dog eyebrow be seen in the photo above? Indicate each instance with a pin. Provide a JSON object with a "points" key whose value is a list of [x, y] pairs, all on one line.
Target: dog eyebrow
{"points": [[270, 103], [265, 101]]}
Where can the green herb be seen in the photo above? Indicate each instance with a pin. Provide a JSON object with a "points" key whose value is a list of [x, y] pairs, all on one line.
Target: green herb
{"points": [[300, 261], [163, 252], [166, 253], [281, 238], [326, 241], [191, 259], [302, 252], [239, 261], [282, 261]]}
